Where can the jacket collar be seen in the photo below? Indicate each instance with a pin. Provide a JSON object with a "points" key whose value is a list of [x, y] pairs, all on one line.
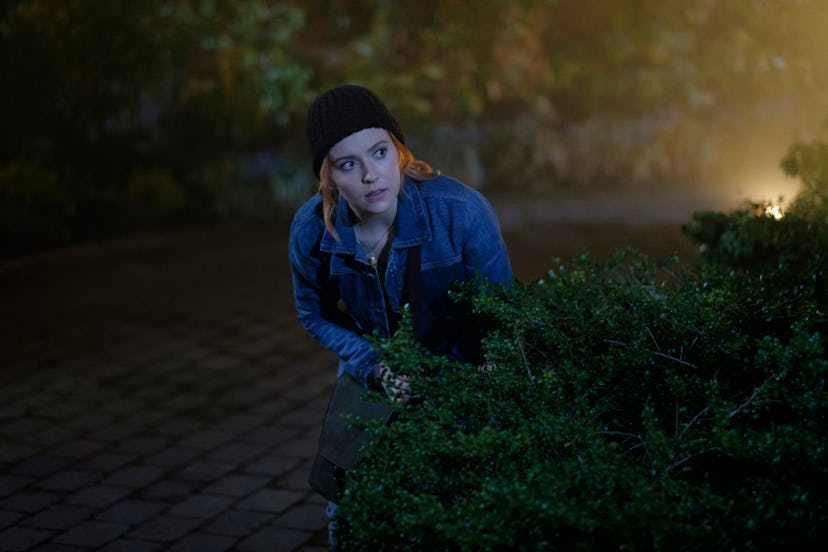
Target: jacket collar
{"points": [[412, 223]]}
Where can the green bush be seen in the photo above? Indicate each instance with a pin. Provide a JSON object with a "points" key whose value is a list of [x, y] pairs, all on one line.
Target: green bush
{"points": [[154, 196], [628, 405], [35, 211], [752, 238]]}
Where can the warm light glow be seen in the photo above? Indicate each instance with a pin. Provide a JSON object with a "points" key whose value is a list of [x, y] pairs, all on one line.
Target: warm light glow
{"points": [[774, 211], [770, 187]]}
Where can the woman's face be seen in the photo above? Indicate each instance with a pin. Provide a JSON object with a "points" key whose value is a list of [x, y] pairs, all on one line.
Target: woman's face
{"points": [[365, 168]]}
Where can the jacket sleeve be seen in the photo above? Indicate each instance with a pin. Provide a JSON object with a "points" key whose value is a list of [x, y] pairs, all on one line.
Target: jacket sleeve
{"points": [[317, 301], [484, 250]]}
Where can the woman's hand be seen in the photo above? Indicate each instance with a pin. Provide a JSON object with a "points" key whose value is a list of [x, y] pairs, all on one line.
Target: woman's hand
{"points": [[396, 388], [487, 367]]}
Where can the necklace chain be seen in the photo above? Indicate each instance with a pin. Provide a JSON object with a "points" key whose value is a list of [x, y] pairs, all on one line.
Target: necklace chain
{"points": [[372, 251]]}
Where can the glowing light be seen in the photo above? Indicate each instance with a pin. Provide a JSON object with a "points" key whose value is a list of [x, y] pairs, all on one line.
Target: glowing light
{"points": [[774, 211]]}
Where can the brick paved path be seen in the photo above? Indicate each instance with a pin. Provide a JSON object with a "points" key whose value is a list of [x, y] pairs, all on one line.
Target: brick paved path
{"points": [[157, 393]]}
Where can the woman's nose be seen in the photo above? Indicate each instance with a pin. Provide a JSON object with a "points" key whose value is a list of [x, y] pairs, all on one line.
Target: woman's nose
{"points": [[368, 175]]}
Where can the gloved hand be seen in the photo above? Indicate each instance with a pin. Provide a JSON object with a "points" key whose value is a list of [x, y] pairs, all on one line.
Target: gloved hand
{"points": [[396, 388], [487, 367]]}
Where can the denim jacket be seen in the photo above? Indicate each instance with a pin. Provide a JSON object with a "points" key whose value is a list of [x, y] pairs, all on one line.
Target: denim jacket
{"points": [[338, 294]]}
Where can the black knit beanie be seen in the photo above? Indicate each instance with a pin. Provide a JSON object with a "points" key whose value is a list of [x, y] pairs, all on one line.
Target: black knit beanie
{"points": [[342, 111]]}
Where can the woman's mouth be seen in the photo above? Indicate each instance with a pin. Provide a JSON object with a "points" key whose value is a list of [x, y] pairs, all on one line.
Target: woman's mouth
{"points": [[375, 195]]}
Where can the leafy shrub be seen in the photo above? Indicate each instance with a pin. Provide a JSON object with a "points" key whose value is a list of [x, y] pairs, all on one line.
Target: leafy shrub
{"points": [[628, 405], [751, 237], [154, 195], [35, 211]]}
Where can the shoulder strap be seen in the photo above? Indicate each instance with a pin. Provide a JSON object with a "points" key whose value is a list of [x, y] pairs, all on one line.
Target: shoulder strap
{"points": [[413, 266]]}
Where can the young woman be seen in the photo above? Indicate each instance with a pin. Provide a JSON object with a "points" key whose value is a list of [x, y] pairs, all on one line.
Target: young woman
{"points": [[349, 244]]}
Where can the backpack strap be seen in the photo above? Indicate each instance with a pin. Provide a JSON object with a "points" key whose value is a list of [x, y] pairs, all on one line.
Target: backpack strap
{"points": [[414, 288]]}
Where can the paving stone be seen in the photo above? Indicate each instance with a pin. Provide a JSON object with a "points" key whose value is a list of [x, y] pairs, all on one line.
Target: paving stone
{"points": [[273, 538], [55, 547], [98, 496], [124, 406], [200, 542], [174, 456], [143, 445], [28, 501], [208, 439], [15, 452], [16, 539], [129, 545], [319, 542], [177, 427], [270, 500], [134, 476], [52, 436], [315, 498], [22, 427], [8, 410], [272, 435], [244, 396], [313, 548], [238, 523], [306, 391], [132, 511], [89, 421], [69, 480], [204, 471], [165, 528], [272, 465], [201, 506], [306, 517], [272, 407], [58, 517], [7, 518], [304, 446], [150, 393], [92, 534], [240, 423], [10, 484], [238, 452], [219, 363], [237, 485], [296, 480], [145, 418], [107, 461], [184, 402], [168, 490], [40, 466], [62, 410], [257, 348], [304, 418], [114, 433]]}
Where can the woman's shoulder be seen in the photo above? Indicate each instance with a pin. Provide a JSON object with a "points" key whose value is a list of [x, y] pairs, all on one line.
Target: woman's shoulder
{"points": [[443, 187], [445, 192], [308, 220]]}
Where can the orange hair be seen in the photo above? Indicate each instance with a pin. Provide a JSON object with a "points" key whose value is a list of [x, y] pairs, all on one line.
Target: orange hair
{"points": [[409, 166]]}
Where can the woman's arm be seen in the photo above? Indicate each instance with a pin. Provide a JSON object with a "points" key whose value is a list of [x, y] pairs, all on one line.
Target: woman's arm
{"points": [[316, 304], [484, 250]]}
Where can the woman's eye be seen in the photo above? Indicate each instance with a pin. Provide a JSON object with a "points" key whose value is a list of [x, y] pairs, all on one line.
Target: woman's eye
{"points": [[380, 153], [346, 165]]}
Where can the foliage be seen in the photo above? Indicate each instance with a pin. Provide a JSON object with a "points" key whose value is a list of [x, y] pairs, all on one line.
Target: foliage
{"points": [[753, 236], [101, 93], [526, 95], [33, 207], [631, 405], [461, 58]]}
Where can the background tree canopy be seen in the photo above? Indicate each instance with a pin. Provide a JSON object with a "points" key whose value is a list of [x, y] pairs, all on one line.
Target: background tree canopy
{"points": [[118, 115]]}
